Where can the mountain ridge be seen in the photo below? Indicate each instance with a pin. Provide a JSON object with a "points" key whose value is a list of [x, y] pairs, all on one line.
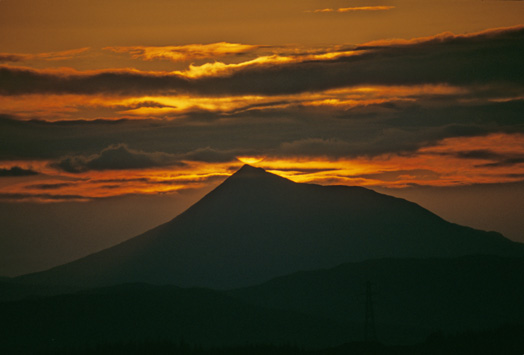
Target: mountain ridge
{"points": [[257, 225]]}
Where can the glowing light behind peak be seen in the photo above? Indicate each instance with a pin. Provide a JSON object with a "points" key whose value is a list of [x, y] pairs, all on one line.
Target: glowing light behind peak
{"points": [[251, 160]]}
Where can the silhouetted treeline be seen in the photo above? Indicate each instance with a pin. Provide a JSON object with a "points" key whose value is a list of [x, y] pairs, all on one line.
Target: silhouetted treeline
{"points": [[507, 340], [181, 348]]}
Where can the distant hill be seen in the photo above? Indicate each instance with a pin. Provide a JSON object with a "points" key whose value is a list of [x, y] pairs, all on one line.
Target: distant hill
{"points": [[256, 226], [412, 298]]}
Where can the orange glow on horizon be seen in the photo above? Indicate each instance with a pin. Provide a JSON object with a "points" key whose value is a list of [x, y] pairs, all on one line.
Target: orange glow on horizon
{"points": [[438, 165], [251, 160], [354, 9]]}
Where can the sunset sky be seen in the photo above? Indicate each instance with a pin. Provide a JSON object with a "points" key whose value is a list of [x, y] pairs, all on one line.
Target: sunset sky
{"points": [[117, 115]]}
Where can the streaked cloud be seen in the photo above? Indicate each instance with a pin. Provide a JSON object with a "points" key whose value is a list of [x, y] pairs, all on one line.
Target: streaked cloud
{"points": [[449, 59], [185, 53], [99, 184], [49, 56], [115, 157], [436, 111], [8, 57], [494, 151], [16, 171], [440, 164], [122, 157], [55, 186], [354, 9], [41, 197]]}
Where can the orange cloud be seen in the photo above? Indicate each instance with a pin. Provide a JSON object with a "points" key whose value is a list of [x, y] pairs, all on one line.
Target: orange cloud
{"points": [[441, 37], [451, 162], [354, 9], [496, 158], [68, 107], [186, 52], [286, 73], [223, 69], [103, 184], [50, 56], [330, 99]]}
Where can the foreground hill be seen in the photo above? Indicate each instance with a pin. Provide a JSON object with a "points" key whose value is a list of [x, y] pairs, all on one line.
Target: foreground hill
{"points": [[505, 340], [145, 313], [412, 297], [11, 290], [256, 226]]}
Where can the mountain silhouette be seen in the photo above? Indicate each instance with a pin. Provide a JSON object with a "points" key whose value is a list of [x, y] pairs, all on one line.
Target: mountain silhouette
{"points": [[257, 225]]}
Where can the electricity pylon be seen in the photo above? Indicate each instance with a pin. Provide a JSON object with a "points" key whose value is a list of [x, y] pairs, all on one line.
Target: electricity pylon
{"points": [[370, 331]]}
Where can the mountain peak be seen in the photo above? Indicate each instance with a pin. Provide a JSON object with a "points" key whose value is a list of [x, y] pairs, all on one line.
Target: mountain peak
{"points": [[258, 176], [252, 177], [248, 170]]}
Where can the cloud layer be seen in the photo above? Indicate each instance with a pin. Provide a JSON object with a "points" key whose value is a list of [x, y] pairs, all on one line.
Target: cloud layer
{"points": [[439, 110], [355, 9], [486, 58], [185, 53]]}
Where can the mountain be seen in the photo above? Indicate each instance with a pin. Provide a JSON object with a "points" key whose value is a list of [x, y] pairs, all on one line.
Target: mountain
{"points": [[257, 225]]}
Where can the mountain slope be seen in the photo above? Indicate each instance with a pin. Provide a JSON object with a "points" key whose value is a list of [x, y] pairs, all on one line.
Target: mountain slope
{"points": [[257, 225]]}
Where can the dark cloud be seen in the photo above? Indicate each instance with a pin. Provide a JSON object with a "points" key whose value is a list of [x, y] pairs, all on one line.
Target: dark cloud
{"points": [[112, 181], [293, 131], [210, 155], [49, 186], [419, 174], [492, 57], [121, 157], [181, 184], [478, 154], [505, 162], [298, 131], [16, 171], [63, 55], [498, 159], [317, 147], [115, 157], [111, 187], [149, 104], [47, 197], [18, 81], [6, 57]]}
